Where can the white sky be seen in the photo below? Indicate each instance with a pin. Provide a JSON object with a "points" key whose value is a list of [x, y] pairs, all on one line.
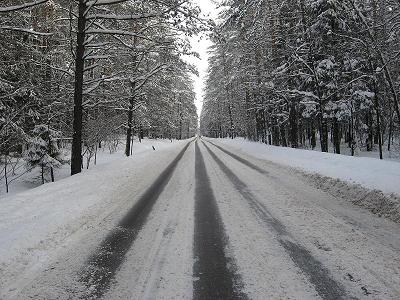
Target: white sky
{"points": [[200, 46]]}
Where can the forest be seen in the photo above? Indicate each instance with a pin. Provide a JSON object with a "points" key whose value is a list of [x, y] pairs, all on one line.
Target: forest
{"points": [[315, 74], [200, 149], [79, 74]]}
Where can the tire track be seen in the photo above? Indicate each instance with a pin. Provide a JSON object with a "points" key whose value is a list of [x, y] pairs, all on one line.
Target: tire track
{"points": [[103, 264], [240, 159], [318, 275], [213, 271]]}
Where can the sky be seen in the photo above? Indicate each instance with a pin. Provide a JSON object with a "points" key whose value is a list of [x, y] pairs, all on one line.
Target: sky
{"points": [[200, 46]]}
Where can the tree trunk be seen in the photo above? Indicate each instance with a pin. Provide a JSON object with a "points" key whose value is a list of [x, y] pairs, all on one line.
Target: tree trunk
{"points": [[313, 135], [180, 128], [260, 125], [336, 136], [293, 126], [230, 121], [275, 138], [140, 133], [283, 136], [352, 141], [378, 126], [52, 174], [95, 155], [369, 122], [248, 129], [390, 131], [76, 157], [129, 128], [324, 135], [42, 173], [5, 172]]}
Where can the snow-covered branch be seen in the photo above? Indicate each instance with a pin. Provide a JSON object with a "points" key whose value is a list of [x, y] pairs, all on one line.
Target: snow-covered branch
{"points": [[21, 6], [25, 30]]}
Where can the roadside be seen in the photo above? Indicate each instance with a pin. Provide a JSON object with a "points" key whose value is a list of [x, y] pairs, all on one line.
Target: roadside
{"points": [[20, 179], [366, 182], [37, 224]]}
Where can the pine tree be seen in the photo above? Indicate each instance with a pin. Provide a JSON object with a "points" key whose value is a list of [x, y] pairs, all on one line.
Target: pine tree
{"points": [[43, 151]]}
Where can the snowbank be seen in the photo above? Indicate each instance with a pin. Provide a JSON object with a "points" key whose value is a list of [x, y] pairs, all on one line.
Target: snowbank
{"points": [[368, 182], [23, 181], [368, 172]]}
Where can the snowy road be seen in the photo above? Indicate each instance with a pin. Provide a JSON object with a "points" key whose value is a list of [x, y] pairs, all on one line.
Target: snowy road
{"points": [[217, 224]]}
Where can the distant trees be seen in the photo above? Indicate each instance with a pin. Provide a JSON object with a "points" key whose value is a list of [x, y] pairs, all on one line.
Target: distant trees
{"points": [[91, 69], [296, 71]]}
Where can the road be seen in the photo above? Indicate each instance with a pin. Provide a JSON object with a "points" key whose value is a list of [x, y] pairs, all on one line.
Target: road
{"points": [[217, 224]]}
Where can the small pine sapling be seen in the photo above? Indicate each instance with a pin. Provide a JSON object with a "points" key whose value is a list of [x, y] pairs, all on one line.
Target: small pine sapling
{"points": [[43, 151]]}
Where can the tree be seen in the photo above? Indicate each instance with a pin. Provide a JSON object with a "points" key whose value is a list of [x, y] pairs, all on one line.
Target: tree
{"points": [[43, 151], [118, 47], [288, 69]]}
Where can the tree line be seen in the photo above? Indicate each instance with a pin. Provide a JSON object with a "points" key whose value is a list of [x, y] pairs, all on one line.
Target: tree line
{"points": [[304, 73], [85, 71]]}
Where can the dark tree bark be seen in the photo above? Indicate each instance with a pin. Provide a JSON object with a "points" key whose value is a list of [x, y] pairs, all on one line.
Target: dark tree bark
{"points": [[313, 135], [324, 135], [248, 127], [260, 124], [283, 135], [129, 128], [231, 129], [378, 127], [352, 140], [76, 156], [42, 174], [336, 136], [5, 172], [52, 174], [293, 126], [140, 133], [275, 136], [390, 131], [369, 122]]}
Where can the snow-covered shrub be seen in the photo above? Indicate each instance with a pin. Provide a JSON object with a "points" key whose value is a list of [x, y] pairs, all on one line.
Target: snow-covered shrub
{"points": [[43, 151]]}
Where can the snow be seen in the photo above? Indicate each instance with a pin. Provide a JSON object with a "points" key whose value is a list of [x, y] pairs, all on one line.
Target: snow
{"points": [[366, 182], [20, 182], [35, 224], [359, 249], [47, 233], [22, 6], [159, 264], [369, 172], [267, 271]]}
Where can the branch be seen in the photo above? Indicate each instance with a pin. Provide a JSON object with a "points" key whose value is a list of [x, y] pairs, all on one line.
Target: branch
{"points": [[25, 30], [22, 6]]}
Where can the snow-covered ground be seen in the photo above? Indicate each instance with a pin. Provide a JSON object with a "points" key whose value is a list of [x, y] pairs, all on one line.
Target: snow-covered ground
{"points": [[23, 180], [393, 154], [359, 250], [371, 173], [367, 182], [285, 238], [35, 224]]}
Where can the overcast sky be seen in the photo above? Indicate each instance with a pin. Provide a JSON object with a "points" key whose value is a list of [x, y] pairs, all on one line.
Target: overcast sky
{"points": [[201, 47]]}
